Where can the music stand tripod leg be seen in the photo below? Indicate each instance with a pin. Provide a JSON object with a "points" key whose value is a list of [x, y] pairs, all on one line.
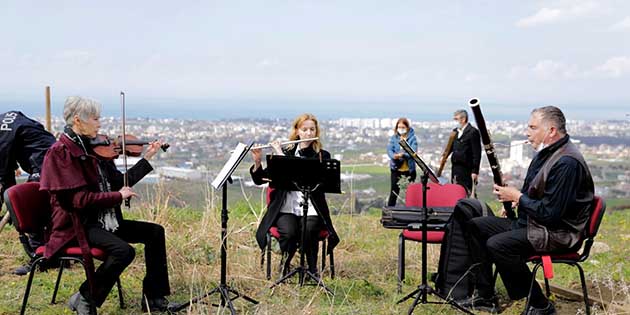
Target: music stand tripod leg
{"points": [[424, 289], [301, 270], [223, 289]]}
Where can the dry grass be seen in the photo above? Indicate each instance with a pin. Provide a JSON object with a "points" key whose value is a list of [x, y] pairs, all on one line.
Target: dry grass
{"points": [[366, 266]]}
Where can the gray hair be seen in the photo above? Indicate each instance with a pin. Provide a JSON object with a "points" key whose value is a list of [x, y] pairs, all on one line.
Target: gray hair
{"points": [[85, 108], [461, 112], [554, 116]]}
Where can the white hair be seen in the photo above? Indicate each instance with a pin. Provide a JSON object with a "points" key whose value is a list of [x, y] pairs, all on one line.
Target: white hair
{"points": [[85, 108]]}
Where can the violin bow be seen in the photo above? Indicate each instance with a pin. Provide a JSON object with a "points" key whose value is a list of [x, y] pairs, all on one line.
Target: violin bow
{"points": [[124, 146]]}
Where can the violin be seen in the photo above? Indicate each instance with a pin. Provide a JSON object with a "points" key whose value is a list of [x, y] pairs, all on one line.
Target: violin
{"points": [[109, 148]]}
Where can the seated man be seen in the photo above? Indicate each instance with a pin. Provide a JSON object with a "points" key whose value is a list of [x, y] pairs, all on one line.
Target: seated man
{"points": [[86, 207], [553, 210], [23, 141]]}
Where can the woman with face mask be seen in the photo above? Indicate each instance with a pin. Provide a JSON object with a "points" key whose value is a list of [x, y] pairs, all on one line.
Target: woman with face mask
{"points": [[401, 163]]}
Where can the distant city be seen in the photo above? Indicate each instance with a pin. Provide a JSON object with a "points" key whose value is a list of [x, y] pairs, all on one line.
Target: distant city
{"points": [[199, 148]]}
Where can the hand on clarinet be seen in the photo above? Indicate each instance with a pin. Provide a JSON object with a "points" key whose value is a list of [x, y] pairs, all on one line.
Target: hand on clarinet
{"points": [[506, 193]]}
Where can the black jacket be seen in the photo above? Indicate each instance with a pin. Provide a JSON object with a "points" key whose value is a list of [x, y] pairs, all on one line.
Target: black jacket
{"points": [[23, 141], [277, 198], [467, 149], [556, 213]]}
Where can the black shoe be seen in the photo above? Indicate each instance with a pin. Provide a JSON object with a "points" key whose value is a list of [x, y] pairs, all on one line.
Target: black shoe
{"points": [[156, 304], [22, 270], [549, 310], [479, 303]]}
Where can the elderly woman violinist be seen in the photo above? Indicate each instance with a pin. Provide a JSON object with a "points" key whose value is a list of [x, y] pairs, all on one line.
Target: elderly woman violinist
{"points": [[86, 193]]}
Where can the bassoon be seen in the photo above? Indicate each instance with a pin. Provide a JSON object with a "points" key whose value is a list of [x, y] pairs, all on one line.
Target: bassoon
{"points": [[447, 152], [490, 153]]}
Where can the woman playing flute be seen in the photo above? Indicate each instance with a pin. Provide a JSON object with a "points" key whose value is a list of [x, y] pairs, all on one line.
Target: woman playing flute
{"points": [[284, 210]]}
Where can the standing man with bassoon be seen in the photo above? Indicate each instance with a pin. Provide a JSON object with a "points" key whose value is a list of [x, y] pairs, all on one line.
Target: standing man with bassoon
{"points": [[466, 152]]}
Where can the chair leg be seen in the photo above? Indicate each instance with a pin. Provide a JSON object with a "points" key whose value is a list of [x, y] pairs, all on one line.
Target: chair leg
{"points": [[531, 285], [120, 294], [323, 255], [29, 283], [547, 289], [401, 261], [54, 297], [332, 264], [268, 256], [584, 289]]}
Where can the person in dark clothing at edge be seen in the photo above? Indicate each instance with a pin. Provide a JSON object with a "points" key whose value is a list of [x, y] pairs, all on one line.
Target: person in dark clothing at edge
{"points": [[553, 208], [400, 163], [86, 194], [284, 209], [466, 152], [23, 142]]}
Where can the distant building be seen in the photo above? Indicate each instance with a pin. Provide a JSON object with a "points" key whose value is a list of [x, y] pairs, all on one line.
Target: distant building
{"points": [[516, 152]]}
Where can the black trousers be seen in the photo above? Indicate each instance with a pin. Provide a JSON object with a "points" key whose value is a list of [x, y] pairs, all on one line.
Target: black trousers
{"points": [[395, 189], [494, 240], [121, 254], [290, 229], [461, 175]]}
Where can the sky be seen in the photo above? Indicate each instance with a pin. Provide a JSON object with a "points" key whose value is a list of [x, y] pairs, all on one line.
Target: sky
{"points": [[362, 58]]}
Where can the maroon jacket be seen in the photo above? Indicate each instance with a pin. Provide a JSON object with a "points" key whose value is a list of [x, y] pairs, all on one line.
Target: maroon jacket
{"points": [[71, 178]]}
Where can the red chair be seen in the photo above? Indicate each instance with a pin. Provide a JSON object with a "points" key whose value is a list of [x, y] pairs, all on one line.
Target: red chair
{"points": [[437, 196], [574, 258], [30, 212], [273, 232]]}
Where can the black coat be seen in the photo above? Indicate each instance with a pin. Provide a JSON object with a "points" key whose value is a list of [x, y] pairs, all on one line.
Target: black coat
{"points": [[467, 150], [23, 141], [277, 198]]}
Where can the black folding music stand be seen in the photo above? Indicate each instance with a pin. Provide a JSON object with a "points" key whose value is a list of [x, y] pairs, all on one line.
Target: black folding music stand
{"points": [[306, 175], [223, 289], [424, 289]]}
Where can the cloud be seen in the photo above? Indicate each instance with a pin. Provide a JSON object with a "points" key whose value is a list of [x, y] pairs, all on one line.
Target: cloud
{"points": [[554, 15], [615, 67], [546, 70], [623, 25]]}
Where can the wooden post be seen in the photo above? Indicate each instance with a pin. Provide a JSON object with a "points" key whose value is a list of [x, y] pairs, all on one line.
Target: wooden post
{"points": [[48, 123]]}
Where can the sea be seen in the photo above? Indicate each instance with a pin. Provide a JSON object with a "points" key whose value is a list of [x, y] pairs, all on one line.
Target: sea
{"points": [[334, 109]]}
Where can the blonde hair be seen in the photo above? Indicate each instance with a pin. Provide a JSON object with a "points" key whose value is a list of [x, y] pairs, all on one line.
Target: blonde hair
{"points": [[317, 144]]}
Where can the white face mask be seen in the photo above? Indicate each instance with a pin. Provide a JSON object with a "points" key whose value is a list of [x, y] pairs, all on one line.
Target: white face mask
{"points": [[402, 131], [542, 144]]}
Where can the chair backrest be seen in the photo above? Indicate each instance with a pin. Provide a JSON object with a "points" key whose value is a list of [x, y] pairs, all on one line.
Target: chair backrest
{"points": [[598, 207], [445, 195], [29, 207]]}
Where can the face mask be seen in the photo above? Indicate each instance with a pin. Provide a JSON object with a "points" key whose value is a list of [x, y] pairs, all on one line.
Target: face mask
{"points": [[542, 145], [402, 131]]}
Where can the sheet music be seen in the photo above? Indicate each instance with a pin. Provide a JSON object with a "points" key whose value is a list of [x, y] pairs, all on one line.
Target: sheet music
{"points": [[228, 168]]}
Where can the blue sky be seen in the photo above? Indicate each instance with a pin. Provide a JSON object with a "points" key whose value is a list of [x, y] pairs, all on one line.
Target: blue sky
{"points": [[511, 54]]}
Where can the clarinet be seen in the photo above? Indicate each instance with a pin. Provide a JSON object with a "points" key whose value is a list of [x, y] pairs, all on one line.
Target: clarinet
{"points": [[490, 153]]}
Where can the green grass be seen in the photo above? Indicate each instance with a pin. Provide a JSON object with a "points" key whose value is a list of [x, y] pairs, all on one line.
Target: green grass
{"points": [[366, 262]]}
